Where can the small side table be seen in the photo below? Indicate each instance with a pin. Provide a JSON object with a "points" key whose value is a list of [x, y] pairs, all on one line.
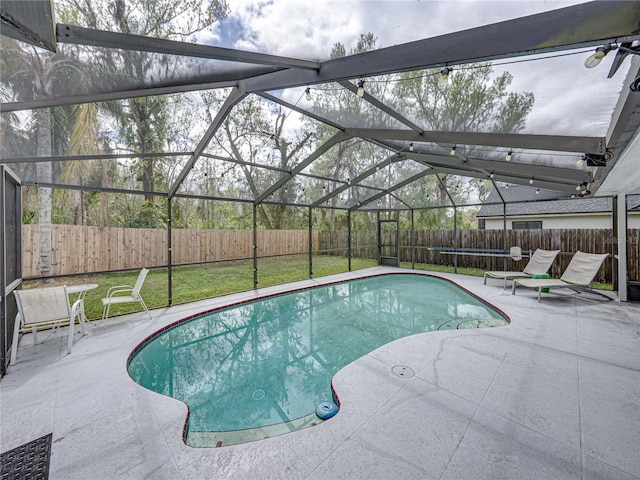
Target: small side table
{"points": [[82, 290]]}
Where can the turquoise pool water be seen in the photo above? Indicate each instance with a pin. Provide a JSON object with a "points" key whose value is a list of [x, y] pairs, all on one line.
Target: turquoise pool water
{"points": [[260, 368]]}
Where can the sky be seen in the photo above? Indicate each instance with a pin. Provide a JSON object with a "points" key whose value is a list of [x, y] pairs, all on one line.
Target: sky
{"points": [[309, 29]]}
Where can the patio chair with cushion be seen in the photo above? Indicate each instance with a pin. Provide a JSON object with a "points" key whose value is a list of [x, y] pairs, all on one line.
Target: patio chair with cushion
{"points": [[538, 264], [40, 308], [579, 274], [125, 294]]}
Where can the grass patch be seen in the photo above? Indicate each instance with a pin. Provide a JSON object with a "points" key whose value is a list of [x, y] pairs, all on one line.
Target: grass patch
{"points": [[203, 281], [206, 281]]}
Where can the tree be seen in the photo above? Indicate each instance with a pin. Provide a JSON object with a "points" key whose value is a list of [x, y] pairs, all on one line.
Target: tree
{"points": [[256, 133], [32, 73], [349, 158], [142, 122], [471, 102]]}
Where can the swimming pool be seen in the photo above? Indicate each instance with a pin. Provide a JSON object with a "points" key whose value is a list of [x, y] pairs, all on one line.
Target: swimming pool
{"points": [[260, 368]]}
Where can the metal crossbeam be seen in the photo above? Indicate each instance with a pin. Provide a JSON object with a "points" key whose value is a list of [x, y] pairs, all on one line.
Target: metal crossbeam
{"points": [[234, 98], [124, 41], [359, 178], [337, 138], [578, 26], [557, 143], [382, 106], [373, 198], [524, 170]]}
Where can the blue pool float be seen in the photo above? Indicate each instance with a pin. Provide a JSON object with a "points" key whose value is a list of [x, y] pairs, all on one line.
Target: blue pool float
{"points": [[326, 410]]}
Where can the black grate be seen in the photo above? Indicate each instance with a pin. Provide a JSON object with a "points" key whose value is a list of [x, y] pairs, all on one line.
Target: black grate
{"points": [[27, 462]]}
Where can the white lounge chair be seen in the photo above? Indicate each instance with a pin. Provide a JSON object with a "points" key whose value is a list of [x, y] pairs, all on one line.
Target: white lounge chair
{"points": [[125, 294], [579, 274], [45, 308], [539, 263]]}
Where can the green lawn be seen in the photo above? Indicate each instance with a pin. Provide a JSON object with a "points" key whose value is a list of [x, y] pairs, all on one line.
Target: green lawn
{"points": [[207, 281], [203, 281]]}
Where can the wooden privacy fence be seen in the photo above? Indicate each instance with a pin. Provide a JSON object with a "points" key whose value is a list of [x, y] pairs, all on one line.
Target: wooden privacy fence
{"points": [[79, 249], [364, 245]]}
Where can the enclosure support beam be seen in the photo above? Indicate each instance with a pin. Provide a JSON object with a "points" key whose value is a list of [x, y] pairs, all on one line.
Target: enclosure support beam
{"points": [[349, 238], [455, 238], [355, 180], [513, 172], [621, 235], [413, 242], [505, 240], [379, 237], [563, 143], [310, 242], [614, 244], [580, 26], [99, 38], [397, 186], [255, 246], [504, 223], [169, 254], [235, 97], [382, 106], [337, 138], [453, 203]]}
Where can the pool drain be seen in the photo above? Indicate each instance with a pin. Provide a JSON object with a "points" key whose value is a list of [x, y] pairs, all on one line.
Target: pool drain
{"points": [[403, 371], [258, 394]]}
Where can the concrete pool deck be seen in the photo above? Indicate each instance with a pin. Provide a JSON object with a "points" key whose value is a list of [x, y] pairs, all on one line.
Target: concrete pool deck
{"points": [[553, 395]]}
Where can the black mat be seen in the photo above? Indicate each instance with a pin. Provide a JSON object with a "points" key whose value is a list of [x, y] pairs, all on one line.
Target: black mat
{"points": [[27, 462]]}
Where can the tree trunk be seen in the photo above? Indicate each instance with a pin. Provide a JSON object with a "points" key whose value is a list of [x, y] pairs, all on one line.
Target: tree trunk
{"points": [[44, 172], [78, 209], [104, 218]]}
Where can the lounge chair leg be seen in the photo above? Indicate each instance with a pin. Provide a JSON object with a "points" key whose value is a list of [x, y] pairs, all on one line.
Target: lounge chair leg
{"points": [[513, 288], [14, 345], [105, 313], [71, 329], [144, 305], [539, 294]]}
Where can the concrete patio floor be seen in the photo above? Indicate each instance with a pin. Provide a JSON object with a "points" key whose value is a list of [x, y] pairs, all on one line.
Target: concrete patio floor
{"points": [[553, 395]]}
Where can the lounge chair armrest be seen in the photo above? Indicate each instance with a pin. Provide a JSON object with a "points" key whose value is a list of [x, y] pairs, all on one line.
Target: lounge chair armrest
{"points": [[76, 307], [113, 293], [119, 288]]}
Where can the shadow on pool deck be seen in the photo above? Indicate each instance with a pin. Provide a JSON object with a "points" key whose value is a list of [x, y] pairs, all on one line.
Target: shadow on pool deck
{"points": [[555, 394]]}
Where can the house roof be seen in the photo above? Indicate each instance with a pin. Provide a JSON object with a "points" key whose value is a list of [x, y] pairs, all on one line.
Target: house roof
{"points": [[525, 201]]}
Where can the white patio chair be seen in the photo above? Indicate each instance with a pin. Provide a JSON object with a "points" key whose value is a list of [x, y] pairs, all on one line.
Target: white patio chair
{"points": [[125, 294], [45, 308], [579, 274], [539, 263]]}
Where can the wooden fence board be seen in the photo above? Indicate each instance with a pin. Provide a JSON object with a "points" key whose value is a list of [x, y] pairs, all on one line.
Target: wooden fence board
{"points": [[568, 241], [79, 249]]}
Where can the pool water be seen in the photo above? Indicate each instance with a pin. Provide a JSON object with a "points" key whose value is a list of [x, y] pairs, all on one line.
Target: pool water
{"points": [[260, 368]]}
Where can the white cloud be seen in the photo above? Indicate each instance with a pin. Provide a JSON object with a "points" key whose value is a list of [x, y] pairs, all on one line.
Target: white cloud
{"points": [[309, 29]]}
